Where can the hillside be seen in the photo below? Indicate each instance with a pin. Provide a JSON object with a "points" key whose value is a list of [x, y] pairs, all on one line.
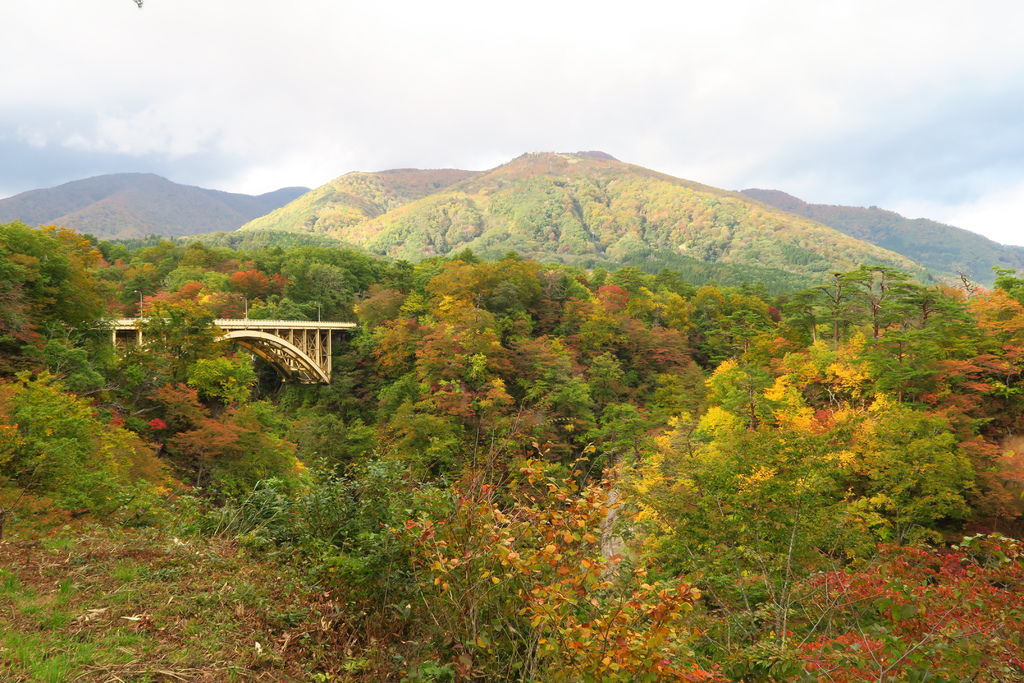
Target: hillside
{"points": [[937, 246], [261, 239], [356, 197], [127, 205], [518, 471], [587, 209]]}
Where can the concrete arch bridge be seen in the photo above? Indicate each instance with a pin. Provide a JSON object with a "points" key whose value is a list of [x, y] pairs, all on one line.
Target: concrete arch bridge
{"points": [[300, 350]]}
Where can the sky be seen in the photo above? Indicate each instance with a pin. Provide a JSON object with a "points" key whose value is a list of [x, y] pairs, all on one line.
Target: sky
{"points": [[915, 106]]}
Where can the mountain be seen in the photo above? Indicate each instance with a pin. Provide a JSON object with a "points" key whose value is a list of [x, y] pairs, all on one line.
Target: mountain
{"points": [[127, 205], [356, 197], [937, 246], [586, 208]]}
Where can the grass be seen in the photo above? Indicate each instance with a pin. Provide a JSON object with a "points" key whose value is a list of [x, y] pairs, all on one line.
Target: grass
{"points": [[106, 604]]}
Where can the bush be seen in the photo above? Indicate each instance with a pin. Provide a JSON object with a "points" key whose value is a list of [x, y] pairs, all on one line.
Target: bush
{"points": [[231, 455], [345, 526], [55, 444]]}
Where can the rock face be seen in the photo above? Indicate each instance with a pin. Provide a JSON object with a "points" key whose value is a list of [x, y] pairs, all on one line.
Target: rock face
{"points": [[128, 205], [612, 542]]}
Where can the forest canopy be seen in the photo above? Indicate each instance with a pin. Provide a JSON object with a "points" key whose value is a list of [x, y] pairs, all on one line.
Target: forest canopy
{"points": [[534, 471]]}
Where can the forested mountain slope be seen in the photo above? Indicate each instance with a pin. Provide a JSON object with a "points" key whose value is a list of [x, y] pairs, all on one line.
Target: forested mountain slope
{"points": [[355, 197], [587, 209], [938, 246], [130, 205]]}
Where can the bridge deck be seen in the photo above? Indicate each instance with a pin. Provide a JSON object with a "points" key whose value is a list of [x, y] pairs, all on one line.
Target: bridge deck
{"points": [[251, 324]]}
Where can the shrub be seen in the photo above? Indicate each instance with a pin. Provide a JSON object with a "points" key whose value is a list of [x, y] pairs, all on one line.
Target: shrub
{"points": [[56, 444]]}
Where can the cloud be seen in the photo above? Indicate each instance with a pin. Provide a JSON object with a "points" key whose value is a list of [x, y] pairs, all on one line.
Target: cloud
{"points": [[869, 102], [954, 144], [28, 166], [997, 213]]}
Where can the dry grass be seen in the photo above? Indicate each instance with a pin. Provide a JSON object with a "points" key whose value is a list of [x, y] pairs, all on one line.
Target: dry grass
{"points": [[109, 604]]}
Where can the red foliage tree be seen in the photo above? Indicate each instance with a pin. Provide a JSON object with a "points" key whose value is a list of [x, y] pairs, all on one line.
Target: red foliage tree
{"points": [[255, 284], [915, 614]]}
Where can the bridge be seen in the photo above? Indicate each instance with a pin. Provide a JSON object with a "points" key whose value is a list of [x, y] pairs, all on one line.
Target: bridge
{"points": [[300, 350]]}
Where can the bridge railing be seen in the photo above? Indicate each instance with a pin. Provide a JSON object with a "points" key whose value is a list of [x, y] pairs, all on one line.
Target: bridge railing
{"points": [[237, 323]]}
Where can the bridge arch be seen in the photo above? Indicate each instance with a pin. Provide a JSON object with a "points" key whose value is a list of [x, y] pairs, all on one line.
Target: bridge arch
{"points": [[288, 359], [300, 350]]}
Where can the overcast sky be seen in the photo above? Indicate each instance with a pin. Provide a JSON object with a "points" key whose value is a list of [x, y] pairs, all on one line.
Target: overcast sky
{"points": [[913, 106]]}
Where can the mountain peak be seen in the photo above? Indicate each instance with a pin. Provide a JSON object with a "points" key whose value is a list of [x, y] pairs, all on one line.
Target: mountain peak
{"points": [[594, 154], [552, 163]]}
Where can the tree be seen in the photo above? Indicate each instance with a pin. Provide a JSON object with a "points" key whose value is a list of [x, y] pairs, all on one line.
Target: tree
{"points": [[52, 443], [176, 335], [878, 286], [229, 455], [918, 614], [522, 585], [749, 512], [907, 471]]}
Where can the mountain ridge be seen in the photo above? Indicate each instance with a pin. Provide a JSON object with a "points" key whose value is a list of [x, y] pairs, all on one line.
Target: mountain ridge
{"points": [[944, 248], [132, 205]]}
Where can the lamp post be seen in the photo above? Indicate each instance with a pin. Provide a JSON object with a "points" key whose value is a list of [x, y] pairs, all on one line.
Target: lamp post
{"points": [[318, 311], [140, 301]]}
